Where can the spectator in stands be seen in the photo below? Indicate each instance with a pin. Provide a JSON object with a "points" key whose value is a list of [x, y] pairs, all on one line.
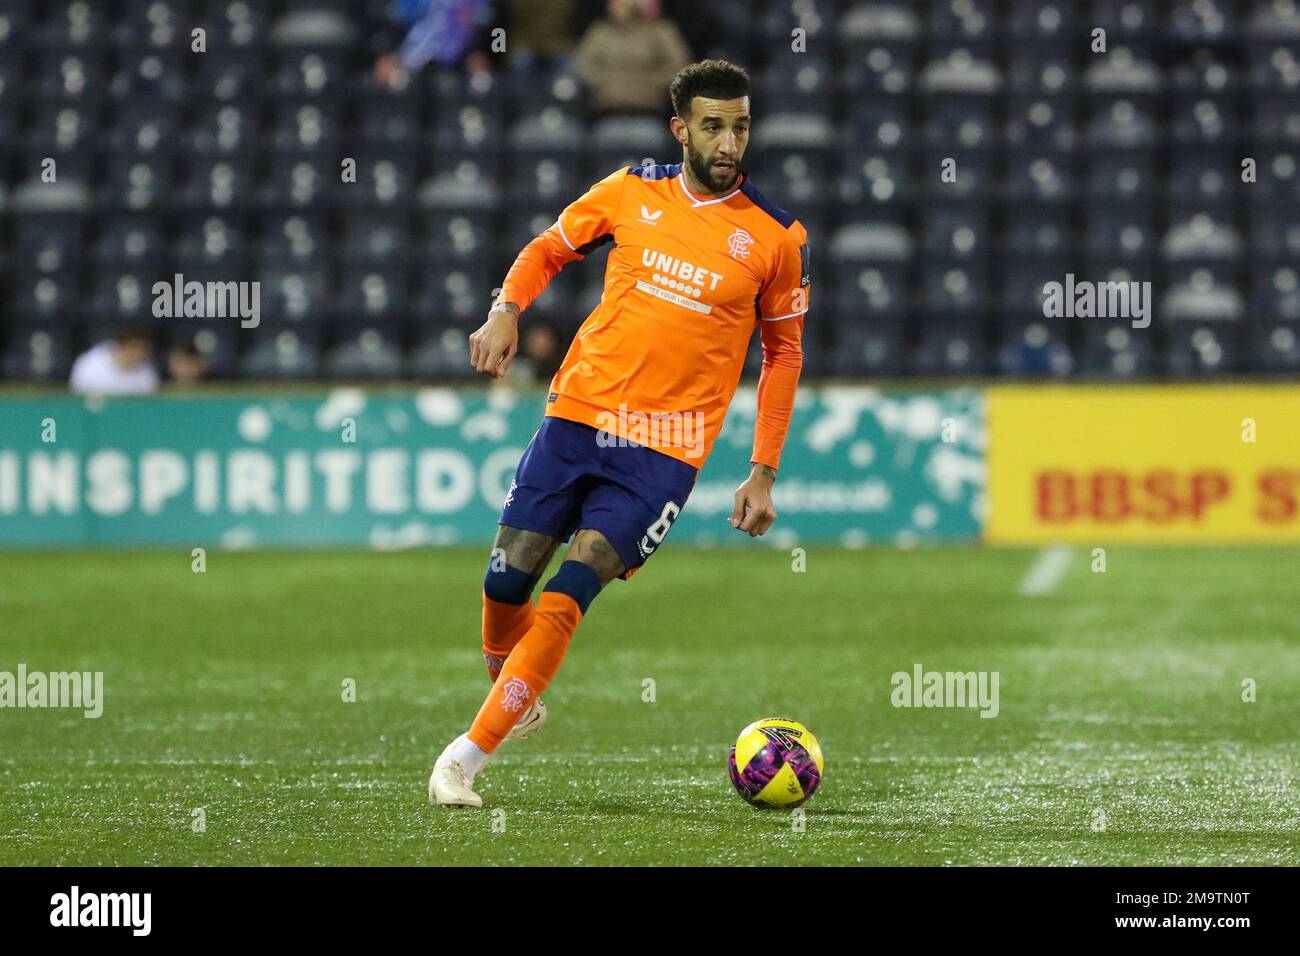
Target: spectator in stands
{"points": [[186, 365], [540, 353], [628, 59], [438, 31], [123, 365], [539, 34]]}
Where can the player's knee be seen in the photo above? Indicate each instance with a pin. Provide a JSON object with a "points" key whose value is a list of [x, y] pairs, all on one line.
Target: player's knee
{"points": [[594, 550], [508, 585], [577, 580]]}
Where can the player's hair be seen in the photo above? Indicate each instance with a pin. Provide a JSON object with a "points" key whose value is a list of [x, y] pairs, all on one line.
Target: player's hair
{"points": [[716, 79]]}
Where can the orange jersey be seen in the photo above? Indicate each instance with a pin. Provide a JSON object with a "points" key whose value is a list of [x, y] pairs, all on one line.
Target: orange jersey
{"points": [[688, 281]]}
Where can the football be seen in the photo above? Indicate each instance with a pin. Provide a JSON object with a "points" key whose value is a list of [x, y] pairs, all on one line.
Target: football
{"points": [[776, 763]]}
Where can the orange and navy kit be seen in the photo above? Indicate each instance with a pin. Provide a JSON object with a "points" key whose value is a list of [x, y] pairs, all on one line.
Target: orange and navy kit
{"points": [[688, 280], [641, 395]]}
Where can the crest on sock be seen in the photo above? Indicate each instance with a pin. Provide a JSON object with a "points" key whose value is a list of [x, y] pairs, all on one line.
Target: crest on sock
{"points": [[514, 695]]}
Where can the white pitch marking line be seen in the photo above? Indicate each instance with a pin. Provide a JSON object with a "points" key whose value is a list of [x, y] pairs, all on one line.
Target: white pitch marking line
{"points": [[1046, 571]]}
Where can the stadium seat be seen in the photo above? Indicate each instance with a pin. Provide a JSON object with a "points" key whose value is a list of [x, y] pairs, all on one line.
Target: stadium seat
{"points": [[1202, 349], [226, 165], [1033, 347], [365, 353], [37, 354], [282, 353], [948, 349], [1117, 350], [1276, 347]]}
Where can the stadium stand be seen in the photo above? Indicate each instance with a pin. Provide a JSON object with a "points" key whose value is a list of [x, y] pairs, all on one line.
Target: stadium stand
{"points": [[226, 165]]}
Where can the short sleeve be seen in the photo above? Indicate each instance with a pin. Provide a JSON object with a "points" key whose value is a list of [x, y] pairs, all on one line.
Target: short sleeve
{"points": [[588, 221]]}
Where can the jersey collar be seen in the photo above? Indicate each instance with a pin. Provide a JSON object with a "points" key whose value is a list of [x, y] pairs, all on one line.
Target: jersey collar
{"points": [[696, 201]]}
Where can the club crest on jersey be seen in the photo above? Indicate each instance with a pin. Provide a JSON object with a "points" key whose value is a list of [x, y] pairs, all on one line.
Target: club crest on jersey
{"points": [[738, 244], [650, 218], [514, 695]]}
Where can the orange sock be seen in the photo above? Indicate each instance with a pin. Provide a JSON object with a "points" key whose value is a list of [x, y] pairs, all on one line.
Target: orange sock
{"points": [[503, 627], [529, 669]]}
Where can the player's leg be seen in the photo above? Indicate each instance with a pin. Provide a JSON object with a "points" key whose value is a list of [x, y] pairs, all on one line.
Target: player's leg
{"points": [[540, 510], [590, 563], [518, 559], [624, 519], [531, 665]]}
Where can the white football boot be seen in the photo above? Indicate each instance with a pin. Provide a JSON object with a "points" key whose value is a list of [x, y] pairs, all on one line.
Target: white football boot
{"points": [[450, 784], [530, 723]]}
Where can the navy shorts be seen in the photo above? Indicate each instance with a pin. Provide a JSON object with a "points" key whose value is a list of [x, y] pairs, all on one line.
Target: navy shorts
{"points": [[567, 481]]}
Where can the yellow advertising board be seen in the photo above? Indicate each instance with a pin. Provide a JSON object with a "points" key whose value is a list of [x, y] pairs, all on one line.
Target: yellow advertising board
{"points": [[1143, 463]]}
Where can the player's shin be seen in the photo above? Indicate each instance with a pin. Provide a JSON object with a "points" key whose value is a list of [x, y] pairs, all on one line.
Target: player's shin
{"points": [[533, 663], [507, 613]]}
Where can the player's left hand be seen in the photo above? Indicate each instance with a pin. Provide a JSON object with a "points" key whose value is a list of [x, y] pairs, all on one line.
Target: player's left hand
{"points": [[754, 512]]}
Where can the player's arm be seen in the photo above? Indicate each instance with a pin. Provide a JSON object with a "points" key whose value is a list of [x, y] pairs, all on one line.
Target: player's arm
{"points": [[781, 305], [585, 224]]}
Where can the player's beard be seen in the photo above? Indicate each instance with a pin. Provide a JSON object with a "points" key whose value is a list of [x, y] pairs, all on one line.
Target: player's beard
{"points": [[704, 173]]}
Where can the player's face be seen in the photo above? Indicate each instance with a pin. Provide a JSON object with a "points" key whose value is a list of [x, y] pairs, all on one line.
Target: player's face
{"points": [[717, 134]]}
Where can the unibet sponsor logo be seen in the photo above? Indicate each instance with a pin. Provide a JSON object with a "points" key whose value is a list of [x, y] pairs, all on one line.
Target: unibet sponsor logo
{"points": [[676, 268]]}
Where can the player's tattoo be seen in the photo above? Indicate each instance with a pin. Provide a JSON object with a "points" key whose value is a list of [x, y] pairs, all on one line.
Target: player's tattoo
{"points": [[594, 550], [767, 471], [526, 550]]}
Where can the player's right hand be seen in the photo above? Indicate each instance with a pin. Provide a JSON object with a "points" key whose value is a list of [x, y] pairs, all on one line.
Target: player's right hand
{"points": [[492, 348]]}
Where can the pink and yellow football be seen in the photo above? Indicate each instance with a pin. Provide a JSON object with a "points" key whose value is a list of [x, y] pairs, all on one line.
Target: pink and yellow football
{"points": [[776, 763]]}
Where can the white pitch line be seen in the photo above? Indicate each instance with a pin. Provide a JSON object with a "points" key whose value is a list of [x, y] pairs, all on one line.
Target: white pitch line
{"points": [[1046, 571]]}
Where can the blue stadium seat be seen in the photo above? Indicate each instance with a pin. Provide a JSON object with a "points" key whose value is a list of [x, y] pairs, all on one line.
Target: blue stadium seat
{"points": [[1276, 347], [212, 244], [122, 297], [1275, 292], [280, 353], [48, 299], [71, 25], [1202, 349], [373, 296], [227, 129], [367, 352], [37, 354], [875, 348], [223, 183], [129, 241], [1114, 349], [947, 348], [375, 237], [300, 182], [294, 294], [229, 74], [1033, 347], [442, 354]]}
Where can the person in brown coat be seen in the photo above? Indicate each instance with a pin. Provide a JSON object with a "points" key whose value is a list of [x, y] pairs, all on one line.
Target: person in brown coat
{"points": [[628, 58]]}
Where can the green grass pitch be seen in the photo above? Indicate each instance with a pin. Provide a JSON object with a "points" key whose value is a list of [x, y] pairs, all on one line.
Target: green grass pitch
{"points": [[1120, 692]]}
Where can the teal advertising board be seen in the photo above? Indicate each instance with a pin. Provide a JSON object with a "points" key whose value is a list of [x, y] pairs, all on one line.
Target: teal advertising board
{"points": [[349, 468]]}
